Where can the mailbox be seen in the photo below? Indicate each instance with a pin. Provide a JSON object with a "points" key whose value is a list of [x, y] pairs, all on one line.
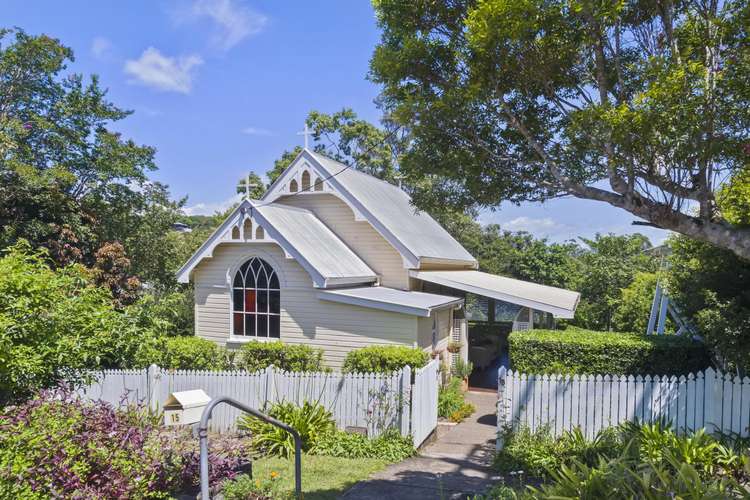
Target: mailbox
{"points": [[185, 407]]}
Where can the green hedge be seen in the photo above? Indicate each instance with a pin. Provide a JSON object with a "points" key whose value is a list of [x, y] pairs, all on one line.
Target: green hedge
{"points": [[383, 359], [182, 353], [590, 352], [255, 356]]}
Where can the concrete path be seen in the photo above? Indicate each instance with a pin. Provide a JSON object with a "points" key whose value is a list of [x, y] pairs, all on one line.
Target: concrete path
{"points": [[455, 466]]}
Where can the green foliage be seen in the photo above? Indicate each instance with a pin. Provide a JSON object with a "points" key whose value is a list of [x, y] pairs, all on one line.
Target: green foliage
{"points": [[711, 286], [383, 359], [537, 452], [59, 446], [451, 402], [55, 323], [608, 266], [633, 310], [311, 421], [182, 353], [389, 445], [461, 369], [644, 461], [537, 99], [68, 181], [348, 139], [255, 356], [590, 352], [244, 487]]}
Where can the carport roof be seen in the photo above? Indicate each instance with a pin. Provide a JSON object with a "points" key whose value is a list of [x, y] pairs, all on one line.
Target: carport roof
{"points": [[560, 302]]}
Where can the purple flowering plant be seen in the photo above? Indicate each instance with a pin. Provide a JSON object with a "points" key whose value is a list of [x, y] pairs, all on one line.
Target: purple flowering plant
{"points": [[59, 446]]}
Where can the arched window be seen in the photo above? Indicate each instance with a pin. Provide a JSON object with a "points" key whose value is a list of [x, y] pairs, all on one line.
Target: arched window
{"points": [[247, 229], [256, 300], [260, 233], [293, 186], [305, 180], [235, 233], [318, 184]]}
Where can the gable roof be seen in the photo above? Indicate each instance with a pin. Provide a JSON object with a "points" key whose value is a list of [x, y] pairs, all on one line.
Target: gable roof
{"points": [[301, 235], [416, 235]]}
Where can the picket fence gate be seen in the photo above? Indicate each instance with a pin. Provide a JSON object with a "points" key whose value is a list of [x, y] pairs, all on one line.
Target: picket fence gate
{"points": [[710, 399], [372, 401], [425, 401]]}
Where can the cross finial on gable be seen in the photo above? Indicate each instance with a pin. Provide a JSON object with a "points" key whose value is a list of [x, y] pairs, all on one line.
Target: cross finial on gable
{"points": [[249, 186], [306, 133]]}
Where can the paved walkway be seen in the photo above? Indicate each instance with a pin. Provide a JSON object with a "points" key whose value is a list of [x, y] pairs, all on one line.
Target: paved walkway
{"points": [[455, 466]]}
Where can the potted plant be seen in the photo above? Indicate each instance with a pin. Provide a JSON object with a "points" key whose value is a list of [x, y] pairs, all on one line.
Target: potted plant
{"points": [[454, 347], [462, 369]]}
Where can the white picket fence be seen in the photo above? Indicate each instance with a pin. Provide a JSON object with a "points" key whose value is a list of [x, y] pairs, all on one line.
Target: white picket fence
{"points": [[372, 401], [424, 401], [710, 399]]}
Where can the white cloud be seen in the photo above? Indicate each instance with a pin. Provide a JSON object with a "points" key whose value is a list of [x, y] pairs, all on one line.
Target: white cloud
{"points": [[100, 46], [529, 224], [212, 207], [153, 69], [234, 22], [257, 131]]}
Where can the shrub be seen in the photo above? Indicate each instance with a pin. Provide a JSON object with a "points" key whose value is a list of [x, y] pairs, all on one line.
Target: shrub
{"points": [[462, 369], [590, 352], [182, 353], [57, 446], [390, 445], [451, 403], [255, 356], [384, 359], [310, 420], [536, 452], [55, 325]]}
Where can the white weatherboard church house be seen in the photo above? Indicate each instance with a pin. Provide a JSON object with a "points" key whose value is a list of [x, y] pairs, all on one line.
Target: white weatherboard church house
{"points": [[337, 259]]}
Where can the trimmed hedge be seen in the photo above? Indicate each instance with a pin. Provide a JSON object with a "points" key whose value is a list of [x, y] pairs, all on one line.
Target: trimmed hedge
{"points": [[183, 353], [577, 351], [255, 356], [383, 359]]}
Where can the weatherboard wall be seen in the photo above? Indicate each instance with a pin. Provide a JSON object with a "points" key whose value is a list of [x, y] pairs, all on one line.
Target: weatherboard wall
{"points": [[360, 236], [336, 328]]}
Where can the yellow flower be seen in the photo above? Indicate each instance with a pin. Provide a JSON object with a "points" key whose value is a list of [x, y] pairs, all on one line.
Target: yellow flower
{"points": [[274, 474], [257, 483]]}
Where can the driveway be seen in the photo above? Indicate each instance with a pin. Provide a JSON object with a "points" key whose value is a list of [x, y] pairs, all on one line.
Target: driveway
{"points": [[455, 466]]}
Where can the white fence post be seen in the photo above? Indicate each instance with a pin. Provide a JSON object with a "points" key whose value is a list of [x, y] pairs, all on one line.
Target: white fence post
{"points": [[405, 401], [501, 410], [270, 386], [153, 381]]}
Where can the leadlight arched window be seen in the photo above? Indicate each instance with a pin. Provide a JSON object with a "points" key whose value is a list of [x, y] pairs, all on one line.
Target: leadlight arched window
{"points": [[305, 180], [293, 186], [256, 300]]}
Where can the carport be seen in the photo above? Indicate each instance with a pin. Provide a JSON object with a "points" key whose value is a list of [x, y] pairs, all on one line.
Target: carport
{"points": [[495, 306]]}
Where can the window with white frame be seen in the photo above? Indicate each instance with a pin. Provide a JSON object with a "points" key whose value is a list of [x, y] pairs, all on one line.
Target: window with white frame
{"points": [[256, 300]]}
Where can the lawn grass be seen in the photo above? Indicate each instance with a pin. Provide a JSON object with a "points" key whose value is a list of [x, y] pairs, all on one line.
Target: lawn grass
{"points": [[323, 478]]}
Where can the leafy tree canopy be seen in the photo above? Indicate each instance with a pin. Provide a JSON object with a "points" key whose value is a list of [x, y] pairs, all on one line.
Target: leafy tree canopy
{"points": [[642, 105], [348, 139], [67, 181]]}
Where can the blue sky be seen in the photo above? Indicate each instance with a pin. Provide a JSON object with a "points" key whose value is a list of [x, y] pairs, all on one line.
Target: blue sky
{"points": [[221, 87]]}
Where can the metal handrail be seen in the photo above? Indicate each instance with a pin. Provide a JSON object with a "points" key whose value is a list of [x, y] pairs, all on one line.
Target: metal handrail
{"points": [[203, 436]]}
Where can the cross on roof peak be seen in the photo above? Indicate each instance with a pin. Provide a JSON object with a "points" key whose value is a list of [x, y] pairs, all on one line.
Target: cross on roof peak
{"points": [[306, 133]]}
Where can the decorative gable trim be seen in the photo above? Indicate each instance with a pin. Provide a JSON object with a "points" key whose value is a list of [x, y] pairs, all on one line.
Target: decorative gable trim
{"points": [[307, 161], [232, 231]]}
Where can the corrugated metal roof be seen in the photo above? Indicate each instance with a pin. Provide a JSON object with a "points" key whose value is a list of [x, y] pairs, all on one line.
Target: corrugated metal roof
{"points": [[419, 233], [390, 299], [314, 243], [558, 301]]}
